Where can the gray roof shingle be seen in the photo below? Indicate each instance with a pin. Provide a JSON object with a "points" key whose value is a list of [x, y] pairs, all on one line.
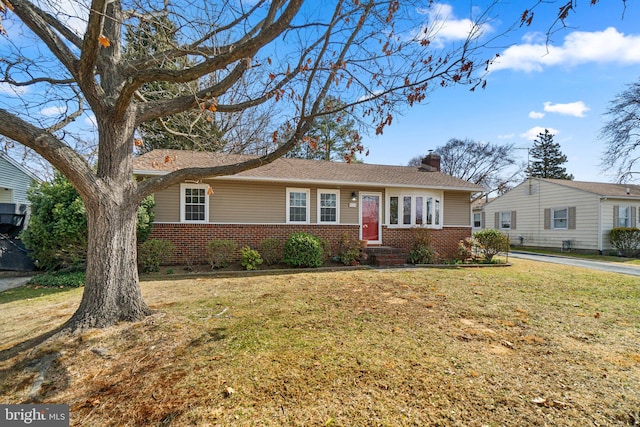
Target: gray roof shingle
{"points": [[299, 170], [599, 188]]}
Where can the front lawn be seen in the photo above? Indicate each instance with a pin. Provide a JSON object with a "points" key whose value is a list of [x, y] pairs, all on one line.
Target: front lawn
{"points": [[531, 344]]}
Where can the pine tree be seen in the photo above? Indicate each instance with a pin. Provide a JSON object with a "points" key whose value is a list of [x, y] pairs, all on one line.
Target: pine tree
{"points": [[547, 158]]}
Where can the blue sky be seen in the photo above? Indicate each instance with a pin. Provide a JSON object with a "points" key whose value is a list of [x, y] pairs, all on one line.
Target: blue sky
{"points": [[564, 86]]}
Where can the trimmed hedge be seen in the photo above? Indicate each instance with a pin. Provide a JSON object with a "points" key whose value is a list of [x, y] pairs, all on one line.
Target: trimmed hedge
{"points": [[303, 250]]}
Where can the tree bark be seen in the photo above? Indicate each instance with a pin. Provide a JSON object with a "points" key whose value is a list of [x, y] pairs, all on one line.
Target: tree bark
{"points": [[112, 290]]}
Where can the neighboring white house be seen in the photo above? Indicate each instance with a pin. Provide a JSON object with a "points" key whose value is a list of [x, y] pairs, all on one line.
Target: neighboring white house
{"points": [[14, 181], [562, 214]]}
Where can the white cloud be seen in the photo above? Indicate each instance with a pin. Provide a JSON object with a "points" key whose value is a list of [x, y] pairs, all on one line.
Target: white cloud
{"points": [[444, 26], [9, 90], [533, 133], [579, 47], [52, 111], [536, 115], [575, 109], [507, 136]]}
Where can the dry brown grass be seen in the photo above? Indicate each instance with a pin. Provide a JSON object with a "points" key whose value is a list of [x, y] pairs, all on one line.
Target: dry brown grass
{"points": [[533, 344]]}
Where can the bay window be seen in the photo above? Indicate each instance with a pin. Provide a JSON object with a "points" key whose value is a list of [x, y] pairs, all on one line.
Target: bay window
{"points": [[408, 210]]}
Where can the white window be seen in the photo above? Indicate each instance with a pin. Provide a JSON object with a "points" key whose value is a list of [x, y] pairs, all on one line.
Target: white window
{"points": [[624, 216], [298, 205], [560, 218], [411, 210], [477, 220], [504, 220], [194, 202], [328, 206]]}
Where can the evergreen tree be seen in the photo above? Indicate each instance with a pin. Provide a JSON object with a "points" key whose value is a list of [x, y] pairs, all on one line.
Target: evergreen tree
{"points": [[190, 130], [547, 158], [332, 136]]}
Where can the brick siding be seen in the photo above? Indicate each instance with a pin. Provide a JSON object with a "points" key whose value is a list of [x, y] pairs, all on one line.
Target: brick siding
{"points": [[191, 239], [444, 241]]}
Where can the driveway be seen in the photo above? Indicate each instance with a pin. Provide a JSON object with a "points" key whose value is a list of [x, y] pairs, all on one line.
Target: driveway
{"points": [[579, 262], [9, 282]]}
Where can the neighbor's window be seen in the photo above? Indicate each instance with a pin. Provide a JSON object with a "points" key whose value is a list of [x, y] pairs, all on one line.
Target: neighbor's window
{"points": [[477, 220], [329, 206], [194, 203], [412, 210], [298, 205], [559, 218], [624, 216], [505, 220]]}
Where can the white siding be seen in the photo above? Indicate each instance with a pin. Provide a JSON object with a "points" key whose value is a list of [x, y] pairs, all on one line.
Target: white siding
{"points": [[530, 199], [14, 183]]}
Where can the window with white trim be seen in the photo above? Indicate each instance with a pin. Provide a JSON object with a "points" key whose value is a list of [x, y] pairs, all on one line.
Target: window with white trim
{"points": [[560, 219], [477, 220], [194, 202], [328, 206], [298, 205], [409, 210], [504, 220], [624, 216]]}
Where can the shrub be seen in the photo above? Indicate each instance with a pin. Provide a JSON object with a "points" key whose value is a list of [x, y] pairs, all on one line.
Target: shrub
{"points": [[303, 250], [59, 279], [491, 242], [220, 252], [271, 250], [626, 240], [57, 232], [251, 258], [154, 252], [325, 245], [421, 252], [349, 250], [468, 249]]}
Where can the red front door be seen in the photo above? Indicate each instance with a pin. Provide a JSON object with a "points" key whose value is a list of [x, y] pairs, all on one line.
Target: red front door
{"points": [[370, 217]]}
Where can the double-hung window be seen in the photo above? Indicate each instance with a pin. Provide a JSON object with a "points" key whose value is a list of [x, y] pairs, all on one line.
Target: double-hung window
{"points": [[477, 220], [194, 202], [298, 205], [504, 220], [328, 206], [560, 218], [624, 216]]}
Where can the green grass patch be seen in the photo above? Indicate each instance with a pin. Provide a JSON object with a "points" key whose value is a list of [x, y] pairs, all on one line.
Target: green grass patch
{"points": [[28, 292]]}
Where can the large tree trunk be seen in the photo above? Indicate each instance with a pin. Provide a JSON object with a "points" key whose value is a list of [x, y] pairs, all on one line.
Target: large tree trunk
{"points": [[112, 291]]}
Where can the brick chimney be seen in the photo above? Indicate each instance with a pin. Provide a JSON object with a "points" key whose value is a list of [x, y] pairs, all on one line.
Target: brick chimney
{"points": [[431, 163]]}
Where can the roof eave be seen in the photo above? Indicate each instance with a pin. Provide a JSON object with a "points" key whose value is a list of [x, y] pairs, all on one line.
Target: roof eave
{"points": [[325, 182]]}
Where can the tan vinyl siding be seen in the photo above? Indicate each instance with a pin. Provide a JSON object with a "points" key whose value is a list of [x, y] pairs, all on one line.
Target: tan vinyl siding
{"points": [[456, 208], [167, 208], [349, 215], [533, 204], [247, 203], [251, 203]]}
